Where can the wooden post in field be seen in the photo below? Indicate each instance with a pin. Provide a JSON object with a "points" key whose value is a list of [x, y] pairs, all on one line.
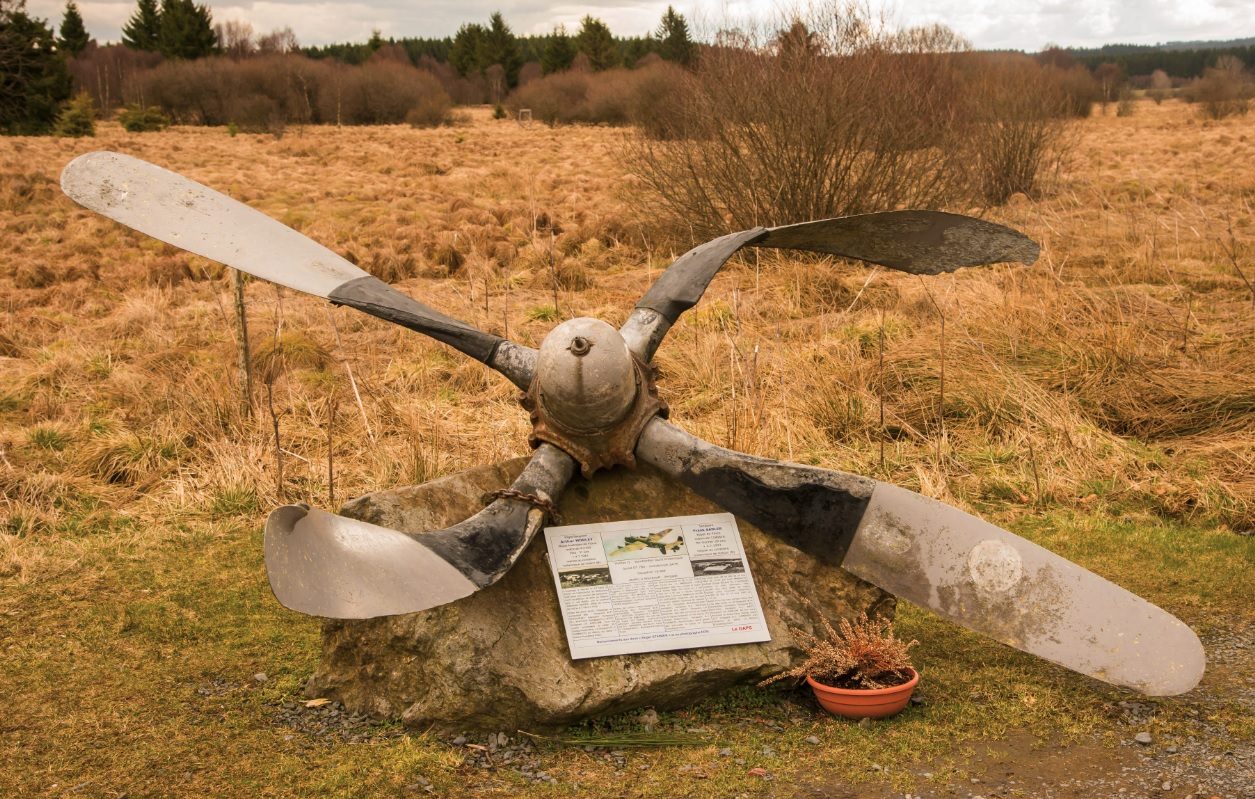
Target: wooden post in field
{"points": [[244, 359]]}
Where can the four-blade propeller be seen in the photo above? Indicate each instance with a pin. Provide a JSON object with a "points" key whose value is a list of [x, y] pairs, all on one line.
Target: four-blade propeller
{"points": [[961, 567]]}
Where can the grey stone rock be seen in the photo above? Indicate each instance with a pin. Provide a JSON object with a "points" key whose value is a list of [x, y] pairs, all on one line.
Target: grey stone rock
{"points": [[812, 739], [498, 659], [1143, 738]]}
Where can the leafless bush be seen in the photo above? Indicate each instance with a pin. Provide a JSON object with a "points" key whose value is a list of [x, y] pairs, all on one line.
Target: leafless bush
{"points": [[612, 97], [268, 91], [432, 110], [1224, 90], [1016, 110], [379, 92], [264, 93], [838, 114], [1160, 87], [1079, 88], [111, 74], [831, 115]]}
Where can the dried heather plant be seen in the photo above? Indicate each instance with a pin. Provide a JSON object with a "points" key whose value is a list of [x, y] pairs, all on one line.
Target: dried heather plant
{"points": [[864, 654]]}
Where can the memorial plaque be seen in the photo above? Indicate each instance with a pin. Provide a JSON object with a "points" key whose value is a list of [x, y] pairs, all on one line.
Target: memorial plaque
{"points": [[653, 585]]}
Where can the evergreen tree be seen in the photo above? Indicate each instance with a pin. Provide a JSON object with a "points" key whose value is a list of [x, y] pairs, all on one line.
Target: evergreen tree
{"points": [[500, 47], [34, 81], [74, 36], [467, 52], [597, 44], [376, 40], [558, 53], [143, 30], [187, 30], [673, 37]]}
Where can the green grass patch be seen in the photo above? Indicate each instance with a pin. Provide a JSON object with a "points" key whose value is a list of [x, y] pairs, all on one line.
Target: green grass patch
{"points": [[133, 666]]}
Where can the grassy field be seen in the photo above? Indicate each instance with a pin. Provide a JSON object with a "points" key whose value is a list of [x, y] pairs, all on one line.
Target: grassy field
{"points": [[1101, 403]]}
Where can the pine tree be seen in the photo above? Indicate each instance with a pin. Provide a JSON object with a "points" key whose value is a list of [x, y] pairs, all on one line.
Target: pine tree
{"points": [[500, 47], [34, 81], [187, 30], [143, 30], [467, 52], [74, 36], [597, 44], [558, 53], [673, 36]]}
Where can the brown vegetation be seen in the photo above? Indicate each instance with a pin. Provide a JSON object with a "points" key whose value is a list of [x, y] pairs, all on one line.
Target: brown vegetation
{"points": [[865, 653], [837, 115], [1224, 90], [1100, 402]]}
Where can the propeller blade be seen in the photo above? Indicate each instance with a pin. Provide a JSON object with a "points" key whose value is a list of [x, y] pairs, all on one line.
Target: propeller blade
{"points": [[328, 565], [191, 216], [918, 242], [936, 556]]}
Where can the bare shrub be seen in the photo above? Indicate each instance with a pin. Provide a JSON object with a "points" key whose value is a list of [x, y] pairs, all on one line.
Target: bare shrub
{"points": [[1160, 86], [611, 97], [1224, 90], [379, 92], [1125, 104], [111, 74], [1016, 110], [259, 94], [834, 115], [552, 98], [433, 109], [1079, 88]]}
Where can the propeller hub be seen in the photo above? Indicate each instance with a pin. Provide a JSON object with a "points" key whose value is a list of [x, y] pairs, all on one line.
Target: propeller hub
{"points": [[585, 375], [590, 396]]}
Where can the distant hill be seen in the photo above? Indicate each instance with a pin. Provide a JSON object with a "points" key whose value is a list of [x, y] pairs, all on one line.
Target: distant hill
{"points": [[1179, 59], [1121, 49]]}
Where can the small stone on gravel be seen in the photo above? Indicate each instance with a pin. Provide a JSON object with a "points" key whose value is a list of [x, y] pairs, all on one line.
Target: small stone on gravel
{"points": [[812, 739], [1143, 738], [260, 677], [725, 752]]}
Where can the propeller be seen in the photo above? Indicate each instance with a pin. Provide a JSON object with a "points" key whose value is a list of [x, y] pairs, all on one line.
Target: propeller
{"points": [[593, 403]]}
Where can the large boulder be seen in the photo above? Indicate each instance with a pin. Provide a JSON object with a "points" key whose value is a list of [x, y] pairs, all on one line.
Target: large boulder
{"points": [[499, 658]]}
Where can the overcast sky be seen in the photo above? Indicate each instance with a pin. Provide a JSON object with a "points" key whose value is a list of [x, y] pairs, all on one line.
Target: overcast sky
{"points": [[1019, 24]]}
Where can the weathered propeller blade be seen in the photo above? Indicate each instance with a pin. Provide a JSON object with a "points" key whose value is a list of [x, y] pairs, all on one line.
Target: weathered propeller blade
{"points": [[960, 567], [189, 215], [919, 242], [328, 565]]}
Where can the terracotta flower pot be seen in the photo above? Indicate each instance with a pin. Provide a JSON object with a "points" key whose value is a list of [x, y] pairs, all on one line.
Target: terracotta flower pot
{"points": [[864, 703]]}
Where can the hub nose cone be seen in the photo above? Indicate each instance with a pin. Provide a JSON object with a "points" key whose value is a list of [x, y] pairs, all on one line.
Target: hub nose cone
{"points": [[585, 375]]}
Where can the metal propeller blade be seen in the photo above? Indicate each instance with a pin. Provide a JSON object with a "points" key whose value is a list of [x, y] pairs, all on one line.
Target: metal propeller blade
{"points": [[189, 215], [936, 556], [919, 242], [328, 565]]}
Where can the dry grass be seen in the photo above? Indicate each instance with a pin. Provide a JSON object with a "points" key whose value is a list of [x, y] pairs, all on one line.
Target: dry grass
{"points": [[1101, 402]]}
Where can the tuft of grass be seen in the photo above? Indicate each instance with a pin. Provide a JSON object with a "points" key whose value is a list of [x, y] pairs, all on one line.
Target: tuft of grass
{"points": [[291, 350], [543, 313], [234, 500], [128, 458], [50, 438]]}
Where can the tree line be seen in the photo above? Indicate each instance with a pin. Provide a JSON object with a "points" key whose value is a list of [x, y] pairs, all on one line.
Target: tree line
{"points": [[41, 65]]}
